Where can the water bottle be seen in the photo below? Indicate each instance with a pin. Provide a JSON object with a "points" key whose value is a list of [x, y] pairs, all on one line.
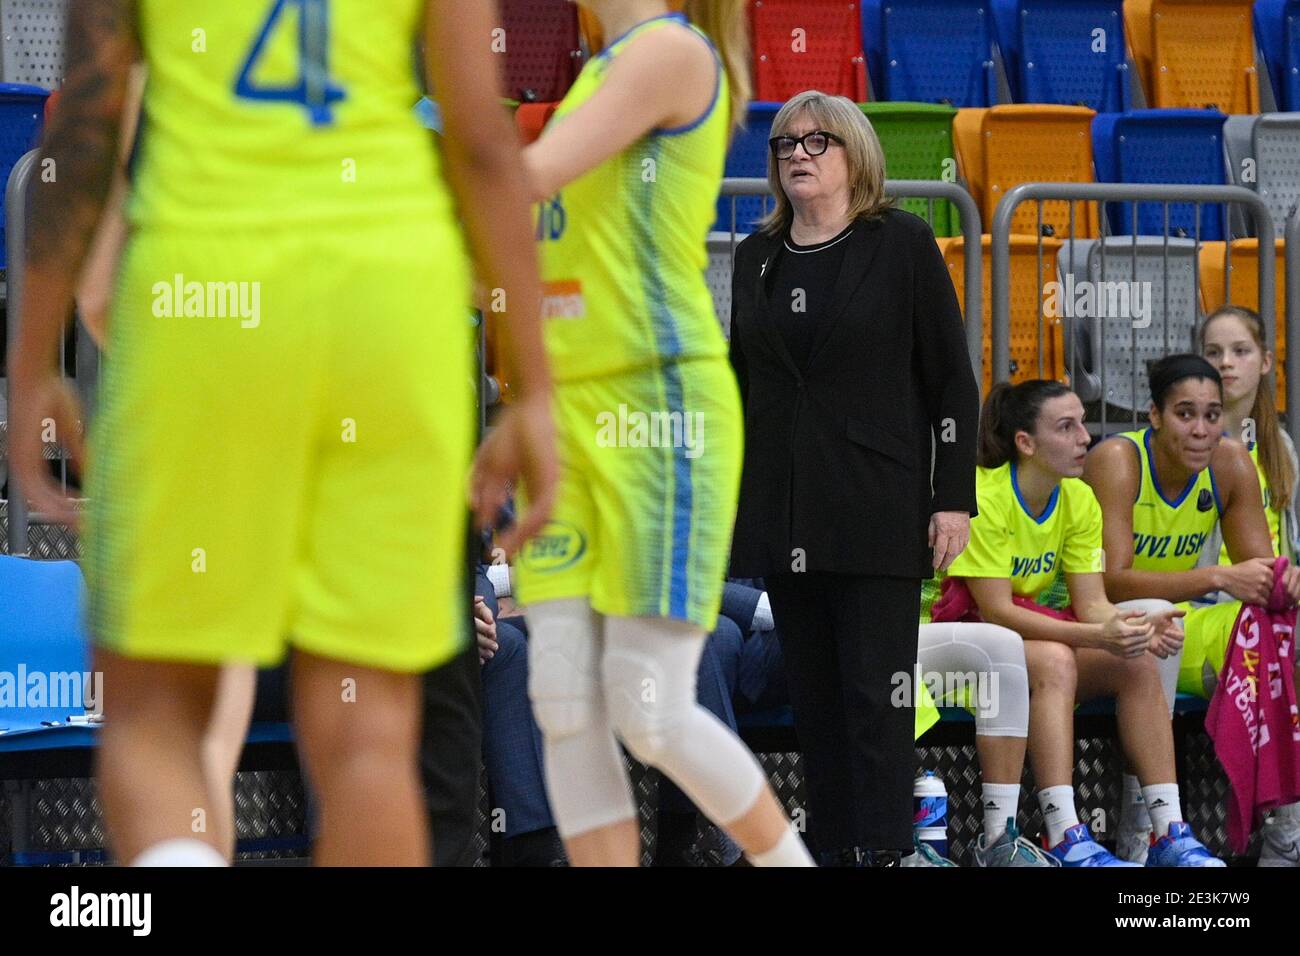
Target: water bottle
{"points": [[930, 811]]}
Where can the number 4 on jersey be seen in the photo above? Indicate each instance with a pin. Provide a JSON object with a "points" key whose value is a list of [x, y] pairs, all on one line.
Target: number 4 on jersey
{"points": [[313, 89]]}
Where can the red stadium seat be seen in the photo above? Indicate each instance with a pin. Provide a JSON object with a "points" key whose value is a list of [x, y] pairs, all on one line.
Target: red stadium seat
{"points": [[541, 47], [807, 45], [531, 119]]}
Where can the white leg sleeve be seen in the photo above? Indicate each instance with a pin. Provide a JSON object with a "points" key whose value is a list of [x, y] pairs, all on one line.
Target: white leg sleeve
{"points": [[1168, 665], [585, 778], [649, 672], [987, 658]]}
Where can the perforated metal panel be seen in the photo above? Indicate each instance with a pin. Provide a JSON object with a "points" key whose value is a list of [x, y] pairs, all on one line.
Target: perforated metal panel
{"points": [[33, 41], [1123, 348], [1277, 153], [718, 276]]}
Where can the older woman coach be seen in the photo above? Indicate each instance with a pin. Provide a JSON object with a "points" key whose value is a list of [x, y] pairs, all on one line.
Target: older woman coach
{"points": [[849, 351]]}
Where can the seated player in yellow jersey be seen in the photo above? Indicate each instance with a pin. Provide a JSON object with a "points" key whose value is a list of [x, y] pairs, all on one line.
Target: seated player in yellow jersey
{"points": [[230, 517], [1234, 341], [1162, 491], [1038, 521]]}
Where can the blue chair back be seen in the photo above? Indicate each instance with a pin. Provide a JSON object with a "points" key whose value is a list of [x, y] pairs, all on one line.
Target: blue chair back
{"points": [[1070, 52], [22, 110]]}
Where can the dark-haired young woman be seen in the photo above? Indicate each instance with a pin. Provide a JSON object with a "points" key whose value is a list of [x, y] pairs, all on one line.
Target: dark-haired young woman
{"points": [[1037, 521], [1162, 491]]}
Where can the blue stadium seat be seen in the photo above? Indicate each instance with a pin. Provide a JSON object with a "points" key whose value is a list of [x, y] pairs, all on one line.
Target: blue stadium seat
{"points": [[1053, 54], [40, 634], [22, 108], [1277, 34], [930, 51], [1161, 146], [748, 158]]}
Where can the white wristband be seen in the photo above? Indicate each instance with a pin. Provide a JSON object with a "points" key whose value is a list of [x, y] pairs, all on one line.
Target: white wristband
{"points": [[499, 575]]}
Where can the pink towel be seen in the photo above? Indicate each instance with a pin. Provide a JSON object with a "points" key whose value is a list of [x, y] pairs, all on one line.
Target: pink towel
{"points": [[1252, 718]]}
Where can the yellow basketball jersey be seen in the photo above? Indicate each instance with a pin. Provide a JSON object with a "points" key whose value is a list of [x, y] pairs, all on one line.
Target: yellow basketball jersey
{"points": [[1271, 514], [1169, 533], [1032, 551], [622, 247], [283, 112]]}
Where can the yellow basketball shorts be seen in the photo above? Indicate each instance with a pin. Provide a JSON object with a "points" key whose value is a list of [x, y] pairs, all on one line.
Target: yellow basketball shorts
{"points": [[1206, 632], [650, 470], [281, 448]]}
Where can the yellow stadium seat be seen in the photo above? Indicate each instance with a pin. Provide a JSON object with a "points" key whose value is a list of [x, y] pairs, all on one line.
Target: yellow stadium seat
{"points": [[1243, 289], [999, 147], [1027, 298], [1195, 54]]}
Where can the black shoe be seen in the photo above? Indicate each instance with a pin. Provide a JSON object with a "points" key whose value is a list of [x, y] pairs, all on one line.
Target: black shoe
{"points": [[882, 858], [847, 856]]}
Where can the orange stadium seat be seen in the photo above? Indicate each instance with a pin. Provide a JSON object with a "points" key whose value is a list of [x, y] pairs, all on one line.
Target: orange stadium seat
{"points": [[1027, 299], [807, 45], [999, 147], [531, 119], [1240, 286], [1194, 54]]}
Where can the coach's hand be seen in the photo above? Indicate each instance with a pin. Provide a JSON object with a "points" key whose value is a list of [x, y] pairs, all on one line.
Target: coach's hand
{"points": [[949, 535], [38, 401], [485, 630], [520, 447]]}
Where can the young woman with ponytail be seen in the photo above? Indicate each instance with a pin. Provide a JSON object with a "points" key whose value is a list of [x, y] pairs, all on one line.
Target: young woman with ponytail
{"points": [[1034, 565], [627, 578]]}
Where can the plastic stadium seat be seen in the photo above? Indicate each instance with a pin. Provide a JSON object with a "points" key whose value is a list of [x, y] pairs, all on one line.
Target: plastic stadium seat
{"points": [[1053, 52], [931, 51], [1264, 155], [531, 119], [917, 140], [22, 109], [807, 45], [747, 158], [1240, 286], [543, 55], [1169, 300], [40, 632], [1162, 146], [1195, 54], [1027, 297], [1004, 146], [1277, 31]]}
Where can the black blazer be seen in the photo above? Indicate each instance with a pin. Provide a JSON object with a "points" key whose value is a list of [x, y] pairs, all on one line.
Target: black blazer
{"points": [[838, 454]]}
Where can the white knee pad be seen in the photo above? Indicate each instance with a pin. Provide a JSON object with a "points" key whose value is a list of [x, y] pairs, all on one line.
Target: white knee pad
{"points": [[1168, 666], [994, 657], [647, 697], [563, 645], [648, 671]]}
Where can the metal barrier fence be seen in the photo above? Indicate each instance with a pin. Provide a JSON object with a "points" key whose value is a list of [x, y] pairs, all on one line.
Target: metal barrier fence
{"points": [[931, 190], [1089, 333]]}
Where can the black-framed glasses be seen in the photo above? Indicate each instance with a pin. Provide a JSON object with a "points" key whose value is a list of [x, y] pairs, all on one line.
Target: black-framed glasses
{"points": [[814, 143]]}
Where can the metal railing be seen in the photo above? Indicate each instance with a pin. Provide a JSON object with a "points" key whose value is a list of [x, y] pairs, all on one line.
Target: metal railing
{"points": [[1132, 193], [932, 191]]}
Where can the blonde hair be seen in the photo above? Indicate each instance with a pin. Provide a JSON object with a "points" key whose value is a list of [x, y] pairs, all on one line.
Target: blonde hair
{"points": [[727, 25], [866, 158]]}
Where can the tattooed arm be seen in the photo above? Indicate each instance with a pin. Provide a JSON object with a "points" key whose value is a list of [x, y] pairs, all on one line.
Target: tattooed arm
{"points": [[82, 141]]}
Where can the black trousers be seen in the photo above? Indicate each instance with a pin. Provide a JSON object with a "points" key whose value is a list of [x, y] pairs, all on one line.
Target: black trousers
{"points": [[450, 756], [844, 638]]}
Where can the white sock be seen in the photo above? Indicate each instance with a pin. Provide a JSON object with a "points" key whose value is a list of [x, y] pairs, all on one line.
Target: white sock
{"points": [[1057, 804], [1163, 806], [180, 852], [1133, 816], [789, 851], [1288, 813], [1000, 802]]}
